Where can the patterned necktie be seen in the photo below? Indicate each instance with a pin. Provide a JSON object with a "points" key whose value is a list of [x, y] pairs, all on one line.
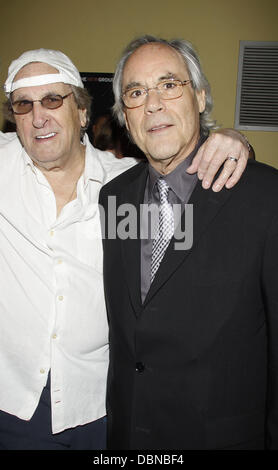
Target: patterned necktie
{"points": [[165, 228]]}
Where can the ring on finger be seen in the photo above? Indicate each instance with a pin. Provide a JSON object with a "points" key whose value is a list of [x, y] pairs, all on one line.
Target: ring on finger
{"points": [[233, 159]]}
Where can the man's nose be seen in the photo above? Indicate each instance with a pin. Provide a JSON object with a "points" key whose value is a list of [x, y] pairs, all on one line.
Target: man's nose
{"points": [[39, 115], [154, 102]]}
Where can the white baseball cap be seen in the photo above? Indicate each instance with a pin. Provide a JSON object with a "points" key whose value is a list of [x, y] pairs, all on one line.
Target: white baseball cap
{"points": [[67, 72]]}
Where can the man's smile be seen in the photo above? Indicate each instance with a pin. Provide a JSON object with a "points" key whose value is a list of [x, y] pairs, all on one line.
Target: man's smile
{"points": [[159, 128], [46, 136]]}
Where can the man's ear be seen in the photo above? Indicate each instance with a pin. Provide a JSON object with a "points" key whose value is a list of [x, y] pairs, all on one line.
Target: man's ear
{"points": [[126, 121], [83, 116], [201, 99]]}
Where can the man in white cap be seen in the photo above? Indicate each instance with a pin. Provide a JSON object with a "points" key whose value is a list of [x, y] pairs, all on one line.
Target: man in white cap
{"points": [[54, 333]]}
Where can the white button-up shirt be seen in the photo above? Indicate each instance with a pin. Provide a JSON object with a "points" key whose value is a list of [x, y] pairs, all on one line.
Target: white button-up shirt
{"points": [[52, 305]]}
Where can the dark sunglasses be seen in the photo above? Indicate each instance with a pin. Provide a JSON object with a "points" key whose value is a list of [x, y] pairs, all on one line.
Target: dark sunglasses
{"points": [[49, 102]]}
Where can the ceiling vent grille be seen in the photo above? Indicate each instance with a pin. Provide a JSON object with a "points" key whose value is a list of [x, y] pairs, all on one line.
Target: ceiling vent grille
{"points": [[257, 86]]}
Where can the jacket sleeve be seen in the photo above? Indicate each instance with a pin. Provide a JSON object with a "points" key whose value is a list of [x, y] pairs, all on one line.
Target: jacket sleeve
{"points": [[270, 291]]}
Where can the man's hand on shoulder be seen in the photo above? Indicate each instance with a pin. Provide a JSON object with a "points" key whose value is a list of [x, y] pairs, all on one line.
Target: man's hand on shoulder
{"points": [[215, 152]]}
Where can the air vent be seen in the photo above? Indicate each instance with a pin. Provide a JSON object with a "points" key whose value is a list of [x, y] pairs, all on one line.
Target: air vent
{"points": [[257, 86]]}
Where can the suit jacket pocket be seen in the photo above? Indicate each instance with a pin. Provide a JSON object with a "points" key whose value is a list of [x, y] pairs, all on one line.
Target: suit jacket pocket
{"points": [[233, 430]]}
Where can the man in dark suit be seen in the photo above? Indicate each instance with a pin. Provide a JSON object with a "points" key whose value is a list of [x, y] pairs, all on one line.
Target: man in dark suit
{"points": [[193, 332]]}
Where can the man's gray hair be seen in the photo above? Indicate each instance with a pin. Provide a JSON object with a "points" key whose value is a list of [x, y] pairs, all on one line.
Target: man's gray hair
{"points": [[192, 62]]}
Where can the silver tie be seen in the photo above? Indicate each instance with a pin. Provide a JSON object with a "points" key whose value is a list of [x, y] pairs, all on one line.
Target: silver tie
{"points": [[165, 228]]}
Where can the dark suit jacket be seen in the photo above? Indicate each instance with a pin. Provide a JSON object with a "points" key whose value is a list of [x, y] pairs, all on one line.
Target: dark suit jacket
{"points": [[195, 366]]}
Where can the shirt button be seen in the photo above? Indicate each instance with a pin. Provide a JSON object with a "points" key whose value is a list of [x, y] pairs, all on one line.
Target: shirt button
{"points": [[54, 336], [42, 371], [51, 233], [140, 367], [59, 261], [61, 297]]}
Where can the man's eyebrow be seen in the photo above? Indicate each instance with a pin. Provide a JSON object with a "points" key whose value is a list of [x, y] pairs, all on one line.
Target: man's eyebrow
{"points": [[167, 76], [132, 85], [25, 97], [20, 98]]}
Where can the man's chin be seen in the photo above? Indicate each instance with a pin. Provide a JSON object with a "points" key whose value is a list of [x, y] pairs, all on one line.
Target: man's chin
{"points": [[46, 162], [164, 156]]}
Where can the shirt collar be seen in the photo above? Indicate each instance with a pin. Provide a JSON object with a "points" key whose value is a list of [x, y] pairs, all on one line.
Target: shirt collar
{"points": [[27, 161], [93, 167]]}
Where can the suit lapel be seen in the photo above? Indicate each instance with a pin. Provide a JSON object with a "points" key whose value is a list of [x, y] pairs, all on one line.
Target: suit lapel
{"points": [[131, 248], [206, 205]]}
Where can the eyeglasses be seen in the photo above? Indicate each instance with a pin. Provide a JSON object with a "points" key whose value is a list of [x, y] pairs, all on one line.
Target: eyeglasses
{"points": [[49, 102], [168, 90]]}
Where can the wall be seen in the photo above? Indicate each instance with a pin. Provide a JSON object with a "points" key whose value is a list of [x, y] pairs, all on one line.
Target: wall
{"points": [[93, 33]]}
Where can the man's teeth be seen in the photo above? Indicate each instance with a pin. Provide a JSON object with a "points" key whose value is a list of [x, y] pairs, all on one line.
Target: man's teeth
{"points": [[45, 136]]}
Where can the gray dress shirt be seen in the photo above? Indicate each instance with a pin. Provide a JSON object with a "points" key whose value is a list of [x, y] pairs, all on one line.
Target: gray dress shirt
{"points": [[181, 186]]}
